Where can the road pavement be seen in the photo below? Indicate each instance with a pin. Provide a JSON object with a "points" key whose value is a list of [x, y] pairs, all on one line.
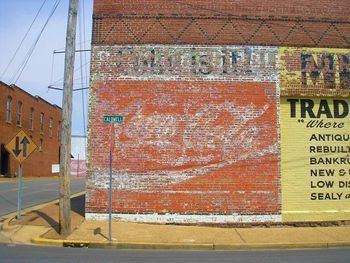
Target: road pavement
{"points": [[35, 191], [31, 254]]}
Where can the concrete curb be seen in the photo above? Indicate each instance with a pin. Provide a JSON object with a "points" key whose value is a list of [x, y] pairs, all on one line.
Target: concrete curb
{"points": [[181, 246], [6, 226]]}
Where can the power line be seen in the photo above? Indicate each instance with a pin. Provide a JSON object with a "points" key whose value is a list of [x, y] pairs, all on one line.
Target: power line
{"points": [[25, 36], [85, 58], [80, 22], [86, 68], [30, 52], [61, 79]]}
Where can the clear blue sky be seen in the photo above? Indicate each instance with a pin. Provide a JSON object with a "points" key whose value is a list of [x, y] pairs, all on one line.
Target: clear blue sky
{"points": [[44, 68]]}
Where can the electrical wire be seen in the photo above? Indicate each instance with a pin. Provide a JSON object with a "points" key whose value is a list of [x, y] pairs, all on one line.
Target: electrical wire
{"points": [[84, 37], [60, 80], [86, 73], [22, 66], [25, 36], [80, 22]]}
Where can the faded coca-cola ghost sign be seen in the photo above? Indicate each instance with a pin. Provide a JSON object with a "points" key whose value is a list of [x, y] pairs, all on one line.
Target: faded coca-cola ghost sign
{"points": [[199, 136], [183, 130]]}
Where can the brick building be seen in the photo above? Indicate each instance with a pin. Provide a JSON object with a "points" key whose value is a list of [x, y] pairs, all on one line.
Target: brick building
{"points": [[39, 119], [234, 111]]}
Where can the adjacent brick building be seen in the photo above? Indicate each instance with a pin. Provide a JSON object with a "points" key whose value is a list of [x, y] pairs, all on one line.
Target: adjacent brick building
{"points": [[234, 111], [39, 119]]}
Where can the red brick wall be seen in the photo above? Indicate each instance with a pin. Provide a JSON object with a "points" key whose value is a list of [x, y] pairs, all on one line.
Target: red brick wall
{"points": [[278, 23], [300, 8], [193, 147], [200, 133], [200, 102], [40, 161]]}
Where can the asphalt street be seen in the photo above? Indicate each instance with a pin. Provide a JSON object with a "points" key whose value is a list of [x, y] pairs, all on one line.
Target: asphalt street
{"points": [[31, 254], [35, 192]]}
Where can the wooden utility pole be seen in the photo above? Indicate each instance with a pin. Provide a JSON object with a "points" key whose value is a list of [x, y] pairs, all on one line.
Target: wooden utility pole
{"points": [[66, 129]]}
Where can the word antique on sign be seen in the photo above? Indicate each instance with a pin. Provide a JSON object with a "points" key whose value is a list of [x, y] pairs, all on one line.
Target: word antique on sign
{"points": [[315, 157]]}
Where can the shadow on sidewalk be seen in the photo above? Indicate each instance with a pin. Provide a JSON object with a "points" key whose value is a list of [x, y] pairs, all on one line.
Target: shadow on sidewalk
{"points": [[48, 216], [78, 205]]}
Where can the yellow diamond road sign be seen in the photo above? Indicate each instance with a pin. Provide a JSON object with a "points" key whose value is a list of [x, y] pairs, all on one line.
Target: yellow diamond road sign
{"points": [[21, 146]]}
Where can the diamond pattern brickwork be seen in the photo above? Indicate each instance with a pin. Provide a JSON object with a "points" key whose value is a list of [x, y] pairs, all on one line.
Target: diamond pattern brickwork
{"points": [[199, 30]]}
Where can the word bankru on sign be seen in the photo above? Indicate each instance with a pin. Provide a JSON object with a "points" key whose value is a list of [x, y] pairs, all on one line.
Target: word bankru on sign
{"points": [[113, 119]]}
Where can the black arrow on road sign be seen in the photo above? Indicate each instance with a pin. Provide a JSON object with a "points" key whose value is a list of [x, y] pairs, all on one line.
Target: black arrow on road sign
{"points": [[25, 142], [17, 151]]}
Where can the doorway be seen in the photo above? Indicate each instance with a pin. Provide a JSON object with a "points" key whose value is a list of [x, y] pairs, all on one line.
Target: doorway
{"points": [[4, 161]]}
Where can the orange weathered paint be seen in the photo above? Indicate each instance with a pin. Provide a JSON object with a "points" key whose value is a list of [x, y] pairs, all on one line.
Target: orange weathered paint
{"points": [[192, 147]]}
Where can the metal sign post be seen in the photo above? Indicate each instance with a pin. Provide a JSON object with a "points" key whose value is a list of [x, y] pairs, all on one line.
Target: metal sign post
{"points": [[112, 120], [19, 192], [21, 146]]}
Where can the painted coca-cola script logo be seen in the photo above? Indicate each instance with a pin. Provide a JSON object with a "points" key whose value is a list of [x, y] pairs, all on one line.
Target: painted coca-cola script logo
{"points": [[173, 129], [203, 133]]}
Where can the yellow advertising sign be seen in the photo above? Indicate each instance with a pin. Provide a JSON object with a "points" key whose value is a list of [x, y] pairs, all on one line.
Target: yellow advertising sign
{"points": [[21, 146], [315, 159]]}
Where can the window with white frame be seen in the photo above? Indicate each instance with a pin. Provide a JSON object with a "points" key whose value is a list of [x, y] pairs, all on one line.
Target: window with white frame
{"points": [[41, 145], [41, 122], [8, 109], [31, 119], [19, 113], [50, 126]]}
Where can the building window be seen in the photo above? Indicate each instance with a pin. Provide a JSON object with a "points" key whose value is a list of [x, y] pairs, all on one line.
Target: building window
{"points": [[41, 145], [41, 122], [31, 119], [8, 109], [50, 127], [19, 113], [59, 131]]}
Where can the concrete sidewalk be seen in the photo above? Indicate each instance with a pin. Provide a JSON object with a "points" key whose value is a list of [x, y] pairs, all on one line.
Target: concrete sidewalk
{"points": [[40, 226]]}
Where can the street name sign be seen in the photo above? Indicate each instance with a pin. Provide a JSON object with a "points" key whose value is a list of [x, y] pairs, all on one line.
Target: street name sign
{"points": [[113, 118], [21, 146]]}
